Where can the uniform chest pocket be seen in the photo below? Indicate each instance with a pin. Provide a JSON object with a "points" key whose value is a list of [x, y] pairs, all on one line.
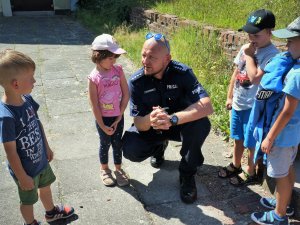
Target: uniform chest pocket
{"points": [[151, 99], [171, 98]]}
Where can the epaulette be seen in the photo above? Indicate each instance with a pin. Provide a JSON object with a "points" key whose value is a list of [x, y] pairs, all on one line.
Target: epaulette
{"points": [[136, 75], [179, 67]]}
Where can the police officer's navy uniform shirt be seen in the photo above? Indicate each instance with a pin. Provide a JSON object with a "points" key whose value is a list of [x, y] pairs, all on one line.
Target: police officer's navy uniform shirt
{"points": [[178, 89]]}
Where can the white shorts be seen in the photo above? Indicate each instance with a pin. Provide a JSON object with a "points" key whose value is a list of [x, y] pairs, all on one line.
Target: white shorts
{"points": [[280, 160]]}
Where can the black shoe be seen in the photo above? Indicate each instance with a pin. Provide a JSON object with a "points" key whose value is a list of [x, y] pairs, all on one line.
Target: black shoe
{"points": [[188, 189], [158, 158], [156, 161]]}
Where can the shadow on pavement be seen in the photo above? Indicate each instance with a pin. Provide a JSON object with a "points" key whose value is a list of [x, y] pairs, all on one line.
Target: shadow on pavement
{"points": [[215, 197], [49, 30]]}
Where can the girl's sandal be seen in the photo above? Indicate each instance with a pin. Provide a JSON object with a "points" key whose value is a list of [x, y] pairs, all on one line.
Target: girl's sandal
{"points": [[229, 171], [243, 179]]}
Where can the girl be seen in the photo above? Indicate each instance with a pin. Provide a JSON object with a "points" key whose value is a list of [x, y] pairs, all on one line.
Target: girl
{"points": [[108, 96]]}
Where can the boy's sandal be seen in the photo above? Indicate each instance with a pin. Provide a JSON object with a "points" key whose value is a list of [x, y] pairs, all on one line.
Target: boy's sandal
{"points": [[247, 179], [229, 171]]}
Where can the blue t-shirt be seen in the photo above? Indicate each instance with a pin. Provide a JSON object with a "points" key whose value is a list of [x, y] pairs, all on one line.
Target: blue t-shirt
{"points": [[178, 89], [290, 135], [21, 124]]}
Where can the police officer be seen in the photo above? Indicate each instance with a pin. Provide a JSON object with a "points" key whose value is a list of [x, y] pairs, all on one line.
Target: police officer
{"points": [[167, 103]]}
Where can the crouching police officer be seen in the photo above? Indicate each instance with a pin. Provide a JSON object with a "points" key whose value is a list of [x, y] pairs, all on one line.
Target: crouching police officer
{"points": [[167, 103]]}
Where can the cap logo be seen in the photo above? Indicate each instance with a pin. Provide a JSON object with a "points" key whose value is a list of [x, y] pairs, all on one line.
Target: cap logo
{"points": [[254, 19], [258, 21]]}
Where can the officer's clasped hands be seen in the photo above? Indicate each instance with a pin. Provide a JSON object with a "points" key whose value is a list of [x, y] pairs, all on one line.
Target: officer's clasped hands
{"points": [[160, 119]]}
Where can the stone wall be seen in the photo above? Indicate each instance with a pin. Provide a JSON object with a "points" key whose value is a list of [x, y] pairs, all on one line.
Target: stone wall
{"points": [[230, 41]]}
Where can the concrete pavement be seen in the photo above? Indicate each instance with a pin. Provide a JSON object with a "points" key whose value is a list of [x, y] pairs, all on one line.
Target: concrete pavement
{"points": [[60, 47]]}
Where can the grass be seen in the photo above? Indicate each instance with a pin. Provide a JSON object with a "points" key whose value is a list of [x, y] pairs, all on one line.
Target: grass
{"points": [[204, 56], [134, 46], [104, 16], [188, 45], [229, 13]]}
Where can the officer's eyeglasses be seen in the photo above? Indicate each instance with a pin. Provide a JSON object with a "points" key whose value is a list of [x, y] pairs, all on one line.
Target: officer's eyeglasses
{"points": [[158, 37]]}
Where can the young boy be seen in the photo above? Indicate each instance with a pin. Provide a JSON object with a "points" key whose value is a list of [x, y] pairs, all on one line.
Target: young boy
{"points": [[281, 142], [250, 63], [23, 138]]}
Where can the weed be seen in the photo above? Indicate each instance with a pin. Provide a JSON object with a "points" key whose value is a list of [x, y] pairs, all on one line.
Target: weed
{"points": [[204, 55]]}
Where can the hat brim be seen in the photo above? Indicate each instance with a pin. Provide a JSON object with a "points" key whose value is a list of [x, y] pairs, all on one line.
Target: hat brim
{"points": [[285, 33], [250, 29], [117, 51]]}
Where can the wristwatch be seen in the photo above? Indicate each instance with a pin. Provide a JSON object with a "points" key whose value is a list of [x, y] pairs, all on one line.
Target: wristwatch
{"points": [[174, 120]]}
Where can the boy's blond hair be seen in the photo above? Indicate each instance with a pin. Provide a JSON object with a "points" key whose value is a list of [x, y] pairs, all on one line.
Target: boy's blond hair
{"points": [[12, 63]]}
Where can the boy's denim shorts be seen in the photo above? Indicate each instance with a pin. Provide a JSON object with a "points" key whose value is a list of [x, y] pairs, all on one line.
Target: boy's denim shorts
{"points": [[239, 128], [43, 179], [280, 160]]}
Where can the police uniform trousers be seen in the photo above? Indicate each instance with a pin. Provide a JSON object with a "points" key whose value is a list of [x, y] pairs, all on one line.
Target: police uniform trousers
{"points": [[138, 146]]}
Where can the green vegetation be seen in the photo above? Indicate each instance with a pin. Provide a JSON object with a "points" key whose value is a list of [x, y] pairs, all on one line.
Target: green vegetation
{"points": [[204, 56], [229, 13], [134, 46], [189, 46], [104, 16]]}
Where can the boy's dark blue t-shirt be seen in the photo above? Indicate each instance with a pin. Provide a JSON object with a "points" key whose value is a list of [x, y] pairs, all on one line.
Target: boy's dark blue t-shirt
{"points": [[21, 124]]}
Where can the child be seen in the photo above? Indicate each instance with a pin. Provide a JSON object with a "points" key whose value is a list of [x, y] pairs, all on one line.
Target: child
{"points": [[250, 62], [281, 142], [24, 140], [108, 95], [268, 93]]}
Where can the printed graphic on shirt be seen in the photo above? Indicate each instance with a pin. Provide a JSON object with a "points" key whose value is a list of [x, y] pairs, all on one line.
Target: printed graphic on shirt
{"points": [[242, 78], [29, 140], [264, 94], [112, 94]]}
